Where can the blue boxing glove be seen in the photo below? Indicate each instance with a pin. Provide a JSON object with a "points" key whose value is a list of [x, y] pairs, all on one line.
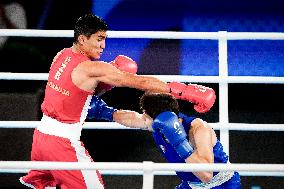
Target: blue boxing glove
{"points": [[100, 110], [167, 123]]}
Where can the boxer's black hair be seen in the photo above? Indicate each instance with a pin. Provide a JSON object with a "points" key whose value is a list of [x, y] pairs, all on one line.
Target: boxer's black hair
{"points": [[88, 25], [155, 103]]}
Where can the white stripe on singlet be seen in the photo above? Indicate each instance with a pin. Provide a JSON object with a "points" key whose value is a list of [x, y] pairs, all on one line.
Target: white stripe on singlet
{"points": [[85, 109], [26, 184], [90, 176]]}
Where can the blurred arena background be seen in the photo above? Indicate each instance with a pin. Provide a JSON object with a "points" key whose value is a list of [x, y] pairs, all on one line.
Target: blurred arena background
{"points": [[248, 103]]}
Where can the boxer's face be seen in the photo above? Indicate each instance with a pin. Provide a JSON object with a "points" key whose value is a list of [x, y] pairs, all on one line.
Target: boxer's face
{"points": [[94, 46]]}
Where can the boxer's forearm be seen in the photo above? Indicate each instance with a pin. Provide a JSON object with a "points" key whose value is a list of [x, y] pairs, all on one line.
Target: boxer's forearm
{"points": [[132, 119]]}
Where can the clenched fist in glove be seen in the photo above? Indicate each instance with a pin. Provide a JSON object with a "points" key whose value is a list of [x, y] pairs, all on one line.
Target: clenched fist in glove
{"points": [[123, 63], [203, 97]]}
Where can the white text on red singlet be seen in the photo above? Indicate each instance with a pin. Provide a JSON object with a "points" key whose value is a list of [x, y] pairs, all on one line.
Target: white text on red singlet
{"points": [[61, 69]]}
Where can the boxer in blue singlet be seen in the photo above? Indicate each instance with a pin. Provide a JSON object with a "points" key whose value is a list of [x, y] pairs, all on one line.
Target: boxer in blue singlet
{"points": [[184, 139]]}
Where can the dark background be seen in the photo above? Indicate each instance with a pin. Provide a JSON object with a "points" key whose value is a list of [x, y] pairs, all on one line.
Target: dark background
{"points": [[248, 103]]}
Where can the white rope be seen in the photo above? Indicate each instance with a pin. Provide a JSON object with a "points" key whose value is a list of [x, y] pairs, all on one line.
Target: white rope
{"points": [[248, 127], [36, 33], [23, 76], [126, 166], [166, 78], [113, 125], [147, 169], [161, 173], [150, 34]]}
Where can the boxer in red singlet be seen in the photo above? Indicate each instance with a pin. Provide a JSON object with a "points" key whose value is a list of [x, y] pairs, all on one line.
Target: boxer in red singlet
{"points": [[74, 77]]}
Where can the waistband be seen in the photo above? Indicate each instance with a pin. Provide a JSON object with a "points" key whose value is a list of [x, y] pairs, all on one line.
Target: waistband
{"points": [[217, 180], [53, 127]]}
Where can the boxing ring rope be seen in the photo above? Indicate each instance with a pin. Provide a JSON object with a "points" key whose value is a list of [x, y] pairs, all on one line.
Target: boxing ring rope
{"points": [[135, 166], [223, 79], [147, 169], [150, 34], [167, 78], [113, 125]]}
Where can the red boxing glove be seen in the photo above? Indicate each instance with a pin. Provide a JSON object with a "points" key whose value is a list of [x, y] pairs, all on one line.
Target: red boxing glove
{"points": [[203, 97], [122, 63], [125, 63]]}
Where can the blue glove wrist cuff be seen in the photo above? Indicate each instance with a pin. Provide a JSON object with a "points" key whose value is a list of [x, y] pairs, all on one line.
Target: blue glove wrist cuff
{"points": [[107, 113], [184, 149], [100, 110]]}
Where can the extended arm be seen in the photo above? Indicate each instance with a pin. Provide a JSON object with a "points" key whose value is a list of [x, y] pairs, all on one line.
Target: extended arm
{"points": [[100, 110], [202, 97]]}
